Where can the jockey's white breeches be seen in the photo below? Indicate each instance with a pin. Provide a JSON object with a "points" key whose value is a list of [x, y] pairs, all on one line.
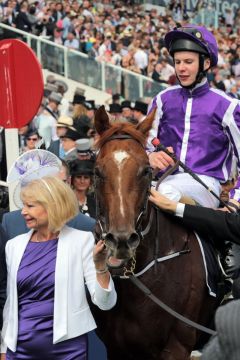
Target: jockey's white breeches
{"points": [[182, 184]]}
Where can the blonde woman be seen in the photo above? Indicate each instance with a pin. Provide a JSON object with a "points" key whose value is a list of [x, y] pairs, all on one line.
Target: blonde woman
{"points": [[47, 315]]}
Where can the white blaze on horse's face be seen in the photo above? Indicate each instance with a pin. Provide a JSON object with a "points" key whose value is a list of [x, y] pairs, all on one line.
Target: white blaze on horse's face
{"points": [[119, 158]]}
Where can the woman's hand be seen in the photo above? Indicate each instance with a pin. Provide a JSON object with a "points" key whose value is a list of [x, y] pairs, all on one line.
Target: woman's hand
{"points": [[100, 261], [162, 201], [100, 255]]}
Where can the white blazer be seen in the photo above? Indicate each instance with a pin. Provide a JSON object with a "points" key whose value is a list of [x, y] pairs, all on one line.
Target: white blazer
{"points": [[74, 264]]}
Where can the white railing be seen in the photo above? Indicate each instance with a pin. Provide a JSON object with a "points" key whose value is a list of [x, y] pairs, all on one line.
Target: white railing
{"points": [[79, 67]]}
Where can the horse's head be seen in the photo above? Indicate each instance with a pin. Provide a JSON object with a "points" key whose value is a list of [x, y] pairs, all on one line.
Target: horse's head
{"points": [[122, 180]]}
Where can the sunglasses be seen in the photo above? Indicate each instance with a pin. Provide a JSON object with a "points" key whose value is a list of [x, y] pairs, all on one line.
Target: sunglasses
{"points": [[32, 139]]}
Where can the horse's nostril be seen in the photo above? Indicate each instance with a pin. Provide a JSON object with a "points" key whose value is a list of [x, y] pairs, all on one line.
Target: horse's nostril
{"points": [[133, 240], [109, 238]]}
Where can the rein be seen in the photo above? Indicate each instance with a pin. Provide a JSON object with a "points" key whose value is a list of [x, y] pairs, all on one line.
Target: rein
{"points": [[139, 284]]}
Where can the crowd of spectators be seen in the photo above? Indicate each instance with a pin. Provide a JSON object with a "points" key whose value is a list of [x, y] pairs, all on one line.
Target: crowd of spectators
{"points": [[123, 33]]}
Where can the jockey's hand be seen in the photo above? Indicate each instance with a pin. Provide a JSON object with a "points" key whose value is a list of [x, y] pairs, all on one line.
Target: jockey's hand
{"points": [[160, 160]]}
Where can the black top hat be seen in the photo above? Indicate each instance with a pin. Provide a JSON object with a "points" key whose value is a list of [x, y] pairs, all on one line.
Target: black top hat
{"points": [[141, 106], [78, 99], [116, 96], [90, 105], [79, 167], [126, 104], [115, 108]]}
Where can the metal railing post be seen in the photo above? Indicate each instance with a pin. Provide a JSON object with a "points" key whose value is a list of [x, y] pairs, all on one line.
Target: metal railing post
{"points": [[140, 80], [66, 62], [28, 40], [39, 53], [103, 76]]}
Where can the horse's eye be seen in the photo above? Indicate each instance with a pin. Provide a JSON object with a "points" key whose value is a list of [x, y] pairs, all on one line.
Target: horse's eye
{"points": [[145, 172]]}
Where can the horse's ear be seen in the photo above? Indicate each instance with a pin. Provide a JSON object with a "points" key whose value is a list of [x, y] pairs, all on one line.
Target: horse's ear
{"points": [[101, 120], [146, 124]]}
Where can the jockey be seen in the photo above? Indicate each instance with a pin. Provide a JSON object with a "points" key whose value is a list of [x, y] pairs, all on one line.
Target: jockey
{"points": [[200, 124]]}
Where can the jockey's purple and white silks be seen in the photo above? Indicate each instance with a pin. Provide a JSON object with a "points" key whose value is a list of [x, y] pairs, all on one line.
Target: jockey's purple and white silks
{"points": [[203, 127]]}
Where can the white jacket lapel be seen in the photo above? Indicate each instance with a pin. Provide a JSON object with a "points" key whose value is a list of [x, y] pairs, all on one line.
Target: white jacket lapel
{"points": [[61, 286]]}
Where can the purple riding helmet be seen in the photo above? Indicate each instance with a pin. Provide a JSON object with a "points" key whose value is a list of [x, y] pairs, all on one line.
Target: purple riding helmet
{"points": [[193, 38]]}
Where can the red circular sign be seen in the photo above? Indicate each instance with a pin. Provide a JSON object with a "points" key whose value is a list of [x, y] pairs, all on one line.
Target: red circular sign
{"points": [[21, 80]]}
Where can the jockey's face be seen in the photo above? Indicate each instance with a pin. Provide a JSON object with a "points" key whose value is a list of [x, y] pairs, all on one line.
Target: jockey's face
{"points": [[187, 66]]}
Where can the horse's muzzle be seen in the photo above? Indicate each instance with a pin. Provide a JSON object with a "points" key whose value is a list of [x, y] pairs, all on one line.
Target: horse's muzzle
{"points": [[122, 245]]}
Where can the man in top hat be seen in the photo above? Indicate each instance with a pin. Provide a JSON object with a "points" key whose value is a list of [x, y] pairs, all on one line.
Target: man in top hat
{"points": [[127, 111], [68, 141], [115, 110], [83, 147], [140, 111], [90, 106]]}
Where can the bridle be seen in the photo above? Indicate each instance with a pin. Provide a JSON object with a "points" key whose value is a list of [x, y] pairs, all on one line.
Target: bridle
{"points": [[100, 220]]}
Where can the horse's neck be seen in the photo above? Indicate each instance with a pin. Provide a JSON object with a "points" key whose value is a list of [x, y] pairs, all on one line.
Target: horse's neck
{"points": [[162, 235]]}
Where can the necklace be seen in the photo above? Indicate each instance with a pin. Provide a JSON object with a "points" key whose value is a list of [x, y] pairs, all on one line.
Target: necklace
{"points": [[83, 205]]}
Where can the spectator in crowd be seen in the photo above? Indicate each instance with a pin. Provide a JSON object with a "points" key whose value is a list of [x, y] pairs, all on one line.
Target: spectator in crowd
{"points": [[68, 141], [71, 42], [47, 119], [78, 106], [91, 107], [55, 146], [140, 111], [47, 204], [22, 21], [62, 88], [81, 172], [32, 140], [157, 73], [115, 111], [167, 70], [127, 110], [93, 53]]}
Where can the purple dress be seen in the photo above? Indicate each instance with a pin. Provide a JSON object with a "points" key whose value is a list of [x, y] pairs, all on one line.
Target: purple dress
{"points": [[35, 283]]}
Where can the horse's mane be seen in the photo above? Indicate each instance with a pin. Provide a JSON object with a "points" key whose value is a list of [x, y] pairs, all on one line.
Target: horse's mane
{"points": [[121, 128]]}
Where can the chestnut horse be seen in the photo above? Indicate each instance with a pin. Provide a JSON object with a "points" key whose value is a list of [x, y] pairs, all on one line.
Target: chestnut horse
{"points": [[136, 233]]}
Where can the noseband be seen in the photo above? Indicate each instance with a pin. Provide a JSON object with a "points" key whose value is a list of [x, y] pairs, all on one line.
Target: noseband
{"points": [[100, 221]]}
